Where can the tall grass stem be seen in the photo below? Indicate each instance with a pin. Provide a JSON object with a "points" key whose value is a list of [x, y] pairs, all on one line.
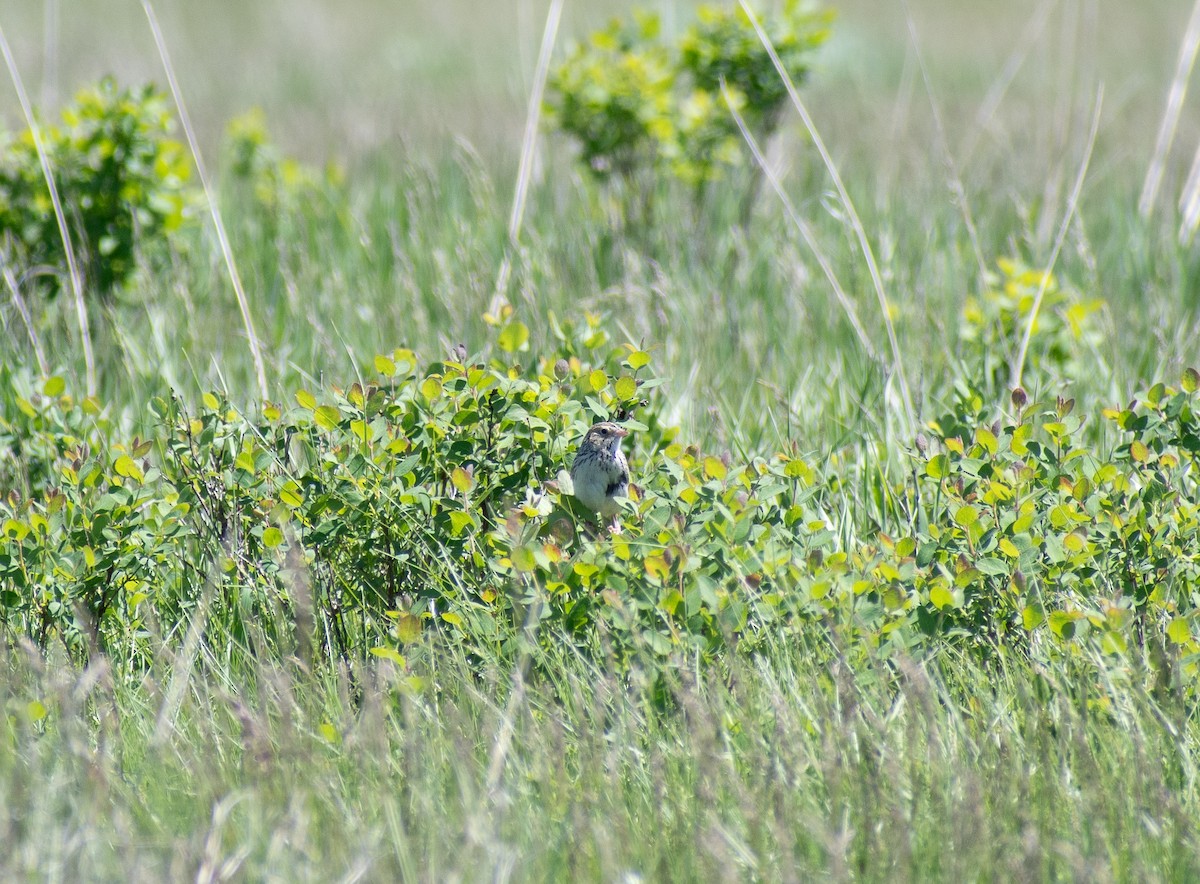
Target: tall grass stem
{"points": [[211, 197], [1018, 368], [806, 231], [81, 311], [1166, 130], [528, 146], [851, 212]]}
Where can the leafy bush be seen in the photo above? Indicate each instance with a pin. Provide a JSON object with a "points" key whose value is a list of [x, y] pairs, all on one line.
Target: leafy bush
{"points": [[122, 180], [257, 167], [1064, 340], [434, 500], [637, 107]]}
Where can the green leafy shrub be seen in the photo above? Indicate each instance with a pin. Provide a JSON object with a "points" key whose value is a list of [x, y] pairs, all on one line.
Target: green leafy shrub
{"points": [[1064, 341], [723, 48], [434, 500], [613, 95], [257, 168], [122, 180], [639, 108]]}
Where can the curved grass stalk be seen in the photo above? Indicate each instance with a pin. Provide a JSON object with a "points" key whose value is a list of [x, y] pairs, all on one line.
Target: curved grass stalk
{"points": [[81, 312], [1018, 367], [211, 197], [1166, 130], [528, 142], [806, 231], [855, 222]]}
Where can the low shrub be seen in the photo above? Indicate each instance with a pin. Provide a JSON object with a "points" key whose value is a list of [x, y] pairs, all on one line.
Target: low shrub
{"points": [[123, 182]]}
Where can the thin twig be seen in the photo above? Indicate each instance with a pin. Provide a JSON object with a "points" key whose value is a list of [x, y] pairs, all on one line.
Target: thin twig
{"points": [[806, 231], [855, 222], [81, 313], [211, 197], [1175, 96], [1072, 207], [528, 143]]}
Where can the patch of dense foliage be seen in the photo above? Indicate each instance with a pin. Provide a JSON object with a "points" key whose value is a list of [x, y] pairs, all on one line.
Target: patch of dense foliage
{"points": [[122, 180], [433, 497]]}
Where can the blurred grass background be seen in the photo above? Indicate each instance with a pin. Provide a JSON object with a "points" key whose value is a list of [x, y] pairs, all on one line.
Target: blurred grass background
{"points": [[352, 78]]}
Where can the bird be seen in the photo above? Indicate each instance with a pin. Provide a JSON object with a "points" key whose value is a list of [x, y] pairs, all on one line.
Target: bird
{"points": [[600, 472]]}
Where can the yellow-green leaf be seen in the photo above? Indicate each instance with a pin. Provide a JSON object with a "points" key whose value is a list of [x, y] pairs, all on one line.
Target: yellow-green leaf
{"points": [[941, 597], [245, 461], [453, 619], [306, 400], [1138, 451], [126, 466], [1179, 631], [461, 480], [386, 653], [329, 733], [459, 522], [272, 537], [626, 388], [385, 365], [327, 417], [657, 567], [713, 468], [431, 387], [597, 380], [54, 387], [291, 494], [514, 337], [1190, 380], [638, 359], [211, 402]]}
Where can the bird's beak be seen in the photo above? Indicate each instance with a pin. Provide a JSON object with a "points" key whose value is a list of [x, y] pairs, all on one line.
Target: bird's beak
{"points": [[622, 432]]}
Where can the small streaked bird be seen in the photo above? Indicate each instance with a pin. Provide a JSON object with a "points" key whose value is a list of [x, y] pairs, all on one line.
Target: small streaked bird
{"points": [[600, 472]]}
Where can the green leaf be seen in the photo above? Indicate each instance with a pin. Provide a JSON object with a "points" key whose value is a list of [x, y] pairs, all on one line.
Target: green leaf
{"points": [[127, 467], [514, 337], [941, 597], [386, 653], [459, 522], [54, 387], [1190, 380], [1179, 631], [327, 417], [291, 495], [1032, 617], [306, 400], [714, 468], [272, 537], [385, 365], [211, 402], [638, 359], [626, 388]]}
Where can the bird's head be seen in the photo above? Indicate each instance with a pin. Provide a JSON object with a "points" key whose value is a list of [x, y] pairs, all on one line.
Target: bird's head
{"points": [[606, 436]]}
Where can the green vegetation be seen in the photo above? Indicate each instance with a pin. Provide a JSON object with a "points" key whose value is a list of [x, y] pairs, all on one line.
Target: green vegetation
{"points": [[122, 181], [363, 630]]}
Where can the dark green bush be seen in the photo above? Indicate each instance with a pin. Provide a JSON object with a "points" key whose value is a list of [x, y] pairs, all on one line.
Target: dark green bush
{"points": [[122, 179]]}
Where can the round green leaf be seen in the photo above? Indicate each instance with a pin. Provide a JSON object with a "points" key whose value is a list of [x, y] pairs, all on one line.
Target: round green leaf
{"points": [[514, 337]]}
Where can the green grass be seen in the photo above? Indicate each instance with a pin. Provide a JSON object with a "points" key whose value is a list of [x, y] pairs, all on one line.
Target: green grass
{"points": [[812, 757]]}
